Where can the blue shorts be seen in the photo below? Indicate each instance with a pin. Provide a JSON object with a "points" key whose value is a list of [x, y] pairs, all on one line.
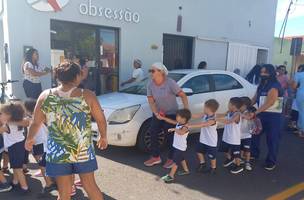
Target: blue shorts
{"points": [[206, 150], [38, 150], [246, 144], [178, 156], [16, 154], [65, 169], [235, 150]]}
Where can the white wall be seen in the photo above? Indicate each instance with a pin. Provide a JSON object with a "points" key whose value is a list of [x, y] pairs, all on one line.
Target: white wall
{"points": [[216, 19]]}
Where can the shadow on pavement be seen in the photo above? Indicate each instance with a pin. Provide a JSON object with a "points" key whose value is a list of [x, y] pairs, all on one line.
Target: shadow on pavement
{"points": [[258, 184]]}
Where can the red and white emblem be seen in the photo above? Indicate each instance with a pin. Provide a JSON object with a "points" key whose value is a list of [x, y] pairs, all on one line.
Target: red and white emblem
{"points": [[48, 5]]}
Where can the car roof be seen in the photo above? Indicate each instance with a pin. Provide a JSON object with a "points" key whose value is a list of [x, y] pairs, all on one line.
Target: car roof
{"points": [[200, 71]]}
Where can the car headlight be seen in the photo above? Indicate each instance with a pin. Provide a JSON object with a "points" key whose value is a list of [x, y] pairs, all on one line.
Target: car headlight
{"points": [[123, 115]]}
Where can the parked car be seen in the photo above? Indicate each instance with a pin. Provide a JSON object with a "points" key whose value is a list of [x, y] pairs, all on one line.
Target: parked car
{"points": [[128, 113]]}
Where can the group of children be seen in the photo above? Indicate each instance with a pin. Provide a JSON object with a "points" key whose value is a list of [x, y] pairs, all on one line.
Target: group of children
{"points": [[240, 124], [15, 118]]}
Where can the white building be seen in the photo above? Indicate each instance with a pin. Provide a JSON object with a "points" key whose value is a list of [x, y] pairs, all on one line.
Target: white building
{"points": [[111, 33]]}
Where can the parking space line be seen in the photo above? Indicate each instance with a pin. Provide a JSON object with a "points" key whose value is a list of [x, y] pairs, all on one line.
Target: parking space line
{"points": [[288, 192]]}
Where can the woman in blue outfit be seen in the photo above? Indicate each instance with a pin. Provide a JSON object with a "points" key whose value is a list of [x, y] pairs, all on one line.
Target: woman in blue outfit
{"points": [[299, 85], [269, 98]]}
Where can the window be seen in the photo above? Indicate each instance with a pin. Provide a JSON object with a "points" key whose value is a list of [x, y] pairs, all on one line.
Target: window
{"points": [[99, 45], [199, 84], [176, 76], [225, 82]]}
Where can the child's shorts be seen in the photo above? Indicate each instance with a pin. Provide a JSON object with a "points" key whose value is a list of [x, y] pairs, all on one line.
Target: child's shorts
{"points": [[42, 161], [206, 149], [234, 149], [16, 154], [178, 156], [38, 150], [64, 169], [246, 144]]}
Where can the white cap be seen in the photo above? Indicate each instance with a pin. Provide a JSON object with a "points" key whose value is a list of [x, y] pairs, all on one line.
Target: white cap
{"points": [[138, 61], [160, 66]]}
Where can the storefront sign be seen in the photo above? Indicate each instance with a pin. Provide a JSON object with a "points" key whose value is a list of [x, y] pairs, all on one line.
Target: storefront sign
{"points": [[119, 14], [48, 5]]}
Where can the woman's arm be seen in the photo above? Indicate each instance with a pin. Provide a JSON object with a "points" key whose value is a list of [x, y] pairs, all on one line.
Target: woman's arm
{"points": [[272, 96], [35, 73], [98, 115], [254, 99], [38, 119], [184, 98], [152, 105]]}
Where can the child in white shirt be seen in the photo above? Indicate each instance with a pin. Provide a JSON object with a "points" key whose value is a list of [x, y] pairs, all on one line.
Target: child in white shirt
{"points": [[13, 137], [207, 145], [181, 132], [231, 141]]}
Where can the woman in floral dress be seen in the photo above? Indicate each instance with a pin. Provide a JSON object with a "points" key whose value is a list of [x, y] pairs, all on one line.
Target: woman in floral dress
{"points": [[67, 111]]}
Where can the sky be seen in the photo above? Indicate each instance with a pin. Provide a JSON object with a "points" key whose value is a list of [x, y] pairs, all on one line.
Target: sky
{"points": [[295, 25]]}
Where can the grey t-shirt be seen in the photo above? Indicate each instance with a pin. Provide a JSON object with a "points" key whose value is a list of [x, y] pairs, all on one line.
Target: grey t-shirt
{"points": [[164, 95]]}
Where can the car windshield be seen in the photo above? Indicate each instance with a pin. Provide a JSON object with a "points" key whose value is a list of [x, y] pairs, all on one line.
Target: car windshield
{"points": [[141, 87]]}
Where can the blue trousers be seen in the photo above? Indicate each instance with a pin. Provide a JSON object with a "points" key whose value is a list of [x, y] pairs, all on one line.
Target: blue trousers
{"points": [[156, 127], [272, 128]]}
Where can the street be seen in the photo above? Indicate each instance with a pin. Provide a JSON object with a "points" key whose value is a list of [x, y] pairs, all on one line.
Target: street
{"points": [[123, 176]]}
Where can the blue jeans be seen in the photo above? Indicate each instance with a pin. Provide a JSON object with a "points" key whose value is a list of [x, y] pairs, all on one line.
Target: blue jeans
{"points": [[272, 126], [156, 127]]}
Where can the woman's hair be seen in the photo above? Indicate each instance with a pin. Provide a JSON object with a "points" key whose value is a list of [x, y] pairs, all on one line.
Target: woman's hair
{"points": [[202, 65], [254, 75], [184, 113], [271, 71], [29, 105], [67, 72], [301, 68], [15, 110], [212, 104], [29, 56]]}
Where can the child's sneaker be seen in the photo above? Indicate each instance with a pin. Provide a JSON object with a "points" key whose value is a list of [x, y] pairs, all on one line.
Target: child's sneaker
{"points": [[201, 167], [169, 164], [228, 162], [248, 166], [152, 161], [49, 189], [15, 186], [167, 179], [210, 171], [78, 183], [24, 192], [5, 187], [269, 167], [236, 169], [242, 162], [183, 173]]}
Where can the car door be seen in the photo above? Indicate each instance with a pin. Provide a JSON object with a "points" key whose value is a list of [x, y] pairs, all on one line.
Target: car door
{"points": [[201, 87], [225, 87]]}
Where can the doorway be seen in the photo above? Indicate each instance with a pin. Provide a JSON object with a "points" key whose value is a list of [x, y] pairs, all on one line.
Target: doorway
{"points": [[177, 51], [99, 45]]}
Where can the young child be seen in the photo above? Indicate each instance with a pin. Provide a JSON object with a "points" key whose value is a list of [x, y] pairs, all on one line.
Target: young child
{"points": [[231, 141], [208, 138], [246, 131], [40, 148], [14, 140], [179, 143]]}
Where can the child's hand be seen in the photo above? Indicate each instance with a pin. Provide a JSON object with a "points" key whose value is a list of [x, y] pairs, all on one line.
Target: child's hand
{"points": [[29, 143], [226, 121], [171, 130]]}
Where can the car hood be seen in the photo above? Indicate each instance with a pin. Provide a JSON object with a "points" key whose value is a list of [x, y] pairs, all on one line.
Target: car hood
{"points": [[117, 100]]}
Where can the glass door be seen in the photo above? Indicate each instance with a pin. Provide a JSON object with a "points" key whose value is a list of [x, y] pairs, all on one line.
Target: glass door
{"points": [[109, 61]]}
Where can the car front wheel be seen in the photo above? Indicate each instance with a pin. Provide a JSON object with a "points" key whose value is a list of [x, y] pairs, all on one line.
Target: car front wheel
{"points": [[144, 138]]}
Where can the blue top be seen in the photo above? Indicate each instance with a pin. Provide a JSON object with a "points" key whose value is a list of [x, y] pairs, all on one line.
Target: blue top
{"points": [[299, 79]]}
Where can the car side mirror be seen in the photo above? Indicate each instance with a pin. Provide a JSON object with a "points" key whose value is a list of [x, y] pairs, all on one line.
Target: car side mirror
{"points": [[188, 91]]}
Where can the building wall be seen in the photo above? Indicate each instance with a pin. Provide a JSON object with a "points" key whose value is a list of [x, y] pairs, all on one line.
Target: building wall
{"points": [[237, 21]]}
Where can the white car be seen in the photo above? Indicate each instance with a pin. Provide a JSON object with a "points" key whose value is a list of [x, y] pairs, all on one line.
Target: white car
{"points": [[128, 113]]}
